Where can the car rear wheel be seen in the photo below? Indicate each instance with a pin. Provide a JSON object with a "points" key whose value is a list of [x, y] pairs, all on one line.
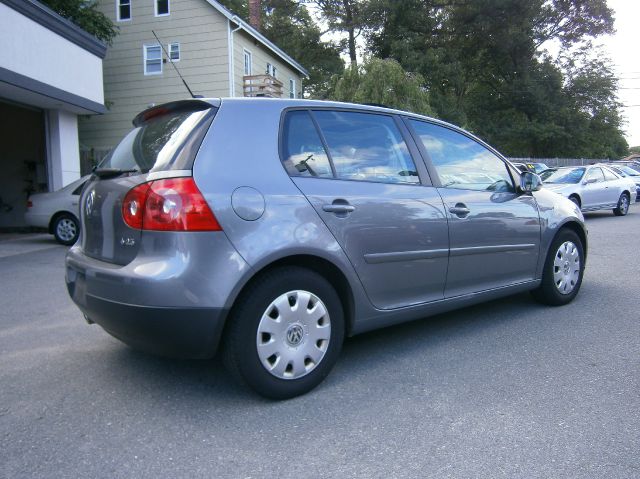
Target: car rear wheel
{"points": [[66, 229], [623, 205], [285, 334], [563, 270]]}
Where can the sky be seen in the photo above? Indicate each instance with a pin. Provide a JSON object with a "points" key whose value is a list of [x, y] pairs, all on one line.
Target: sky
{"points": [[623, 48]]}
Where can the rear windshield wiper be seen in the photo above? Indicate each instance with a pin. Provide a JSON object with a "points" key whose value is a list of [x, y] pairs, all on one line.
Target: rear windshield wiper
{"points": [[104, 173]]}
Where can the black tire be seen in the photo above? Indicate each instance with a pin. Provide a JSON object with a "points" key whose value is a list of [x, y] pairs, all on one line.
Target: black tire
{"points": [[66, 229], [623, 205], [576, 200], [549, 291], [240, 348]]}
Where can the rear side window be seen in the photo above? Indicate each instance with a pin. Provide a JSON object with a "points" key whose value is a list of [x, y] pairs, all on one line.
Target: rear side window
{"points": [[304, 154], [166, 141], [609, 175], [366, 147]]}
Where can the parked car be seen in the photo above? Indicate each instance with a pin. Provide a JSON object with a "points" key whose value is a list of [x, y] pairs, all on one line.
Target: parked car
{"points": [[536, 167], [332, 220], [627, 172], [593, 187], [57, 211]]}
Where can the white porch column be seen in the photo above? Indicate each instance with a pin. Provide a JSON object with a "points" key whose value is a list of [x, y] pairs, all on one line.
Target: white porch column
{"points": [[63, 148]]}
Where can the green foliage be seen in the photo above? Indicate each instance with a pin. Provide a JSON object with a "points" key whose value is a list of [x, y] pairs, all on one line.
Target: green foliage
{"points": [[383, 82], [486, 70], [86, 15], [288, 24], [350, 16], [634, 150]]}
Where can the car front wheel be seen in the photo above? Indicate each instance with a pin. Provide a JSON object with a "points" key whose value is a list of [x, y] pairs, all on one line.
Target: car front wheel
{"points": [[563, 270], [285, 334], [66, 229]]}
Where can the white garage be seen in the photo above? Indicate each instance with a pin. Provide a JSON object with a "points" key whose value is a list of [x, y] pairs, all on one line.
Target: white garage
{"points": [[50, 72]]}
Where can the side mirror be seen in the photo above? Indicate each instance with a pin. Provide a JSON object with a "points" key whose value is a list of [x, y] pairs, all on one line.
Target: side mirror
{"points": [[589, 181], [530, 182]]}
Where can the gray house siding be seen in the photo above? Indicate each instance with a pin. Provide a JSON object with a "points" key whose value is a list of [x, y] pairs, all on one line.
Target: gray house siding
{"points": [[204, 63]]}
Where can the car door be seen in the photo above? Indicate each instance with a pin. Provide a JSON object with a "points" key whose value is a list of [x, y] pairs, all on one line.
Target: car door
{"points": [[494, 232], [357, 170], [594, 189], [614, 186]]}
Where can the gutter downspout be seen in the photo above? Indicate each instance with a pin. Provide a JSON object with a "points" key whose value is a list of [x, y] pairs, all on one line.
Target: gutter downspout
{"points": [[230, 48]]}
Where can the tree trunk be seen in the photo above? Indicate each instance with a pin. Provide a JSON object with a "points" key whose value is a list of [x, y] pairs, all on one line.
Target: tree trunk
{"points": [[348, 21]]}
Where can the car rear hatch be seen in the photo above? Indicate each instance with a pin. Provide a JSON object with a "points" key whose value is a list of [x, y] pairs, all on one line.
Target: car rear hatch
{"points": [[163, 144]]}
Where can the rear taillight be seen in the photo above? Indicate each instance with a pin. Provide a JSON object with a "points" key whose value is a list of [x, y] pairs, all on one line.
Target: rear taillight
{"points": [[29, 204], [174, 204]]}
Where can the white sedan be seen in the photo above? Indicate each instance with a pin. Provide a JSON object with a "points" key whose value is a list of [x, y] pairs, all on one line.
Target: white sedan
{"points": [[592, 188], [57, 211]]}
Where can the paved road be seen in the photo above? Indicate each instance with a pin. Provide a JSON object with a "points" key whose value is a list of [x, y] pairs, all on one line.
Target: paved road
{"points": [[508, 389]]}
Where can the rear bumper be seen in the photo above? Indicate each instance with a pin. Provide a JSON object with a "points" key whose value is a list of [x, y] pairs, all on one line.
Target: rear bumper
{"points": [[172, 299], [175, 332]]}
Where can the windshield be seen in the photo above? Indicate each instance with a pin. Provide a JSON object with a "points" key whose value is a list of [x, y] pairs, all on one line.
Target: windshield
{"points": [[565, 175], [627, 171], [167, 142]]}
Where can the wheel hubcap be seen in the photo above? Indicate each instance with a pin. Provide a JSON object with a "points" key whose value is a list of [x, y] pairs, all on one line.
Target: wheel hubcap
{"points": [[293, 334], [624, 204], [566, 267], [66, 229]]}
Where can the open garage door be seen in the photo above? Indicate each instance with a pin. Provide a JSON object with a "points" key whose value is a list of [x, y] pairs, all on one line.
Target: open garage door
{"points": [[22, 160]]}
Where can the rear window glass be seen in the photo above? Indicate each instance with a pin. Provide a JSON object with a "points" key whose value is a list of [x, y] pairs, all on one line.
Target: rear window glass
{"points": [[166, 142], [366, 147]]}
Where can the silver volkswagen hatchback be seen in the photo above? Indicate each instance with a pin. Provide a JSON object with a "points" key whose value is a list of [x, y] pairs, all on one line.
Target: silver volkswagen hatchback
{"points": [[275, 228]]}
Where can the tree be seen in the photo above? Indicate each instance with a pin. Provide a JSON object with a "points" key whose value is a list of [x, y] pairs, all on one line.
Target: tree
{"points": [[289, 25], [486, 69], [350, 16], [86, 15], [381, 82]]}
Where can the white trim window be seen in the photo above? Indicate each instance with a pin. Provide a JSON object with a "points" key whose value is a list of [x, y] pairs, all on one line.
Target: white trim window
{"points": [[292, 88], [123, 10], [152, 59], [248, 63], [272, 70], [161, 8], [174, 52]]}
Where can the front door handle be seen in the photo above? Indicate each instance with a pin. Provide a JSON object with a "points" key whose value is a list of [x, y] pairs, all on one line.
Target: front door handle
{"points": [[338, 208], [460, 210]]}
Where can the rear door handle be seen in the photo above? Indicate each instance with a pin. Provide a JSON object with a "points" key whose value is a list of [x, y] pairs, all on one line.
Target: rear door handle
{"points": [[460, 210]]}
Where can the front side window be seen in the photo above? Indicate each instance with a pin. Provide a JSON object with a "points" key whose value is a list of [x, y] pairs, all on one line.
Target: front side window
{"points": [[594, 174], [174, 52], [152, 59], [303, 153], [461, 162], [366, 147], [162, 7], [123, 10]]}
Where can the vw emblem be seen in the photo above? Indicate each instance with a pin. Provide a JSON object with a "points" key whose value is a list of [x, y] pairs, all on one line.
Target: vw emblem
{"points": [[295, 333], [88, 206]]}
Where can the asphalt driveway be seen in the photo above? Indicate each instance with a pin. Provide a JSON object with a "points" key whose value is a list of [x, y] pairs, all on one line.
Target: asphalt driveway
{"points": [[507, 389]]}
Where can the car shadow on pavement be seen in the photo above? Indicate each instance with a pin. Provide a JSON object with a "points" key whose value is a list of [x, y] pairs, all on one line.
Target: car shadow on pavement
{"points": [[201, 382]]}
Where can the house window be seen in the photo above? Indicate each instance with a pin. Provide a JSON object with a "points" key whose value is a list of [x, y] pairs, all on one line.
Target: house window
{"points": [[292, 88], [162, 7], [247, 62], [174, 52], [123, 10], [271, 70], [152, 59]]}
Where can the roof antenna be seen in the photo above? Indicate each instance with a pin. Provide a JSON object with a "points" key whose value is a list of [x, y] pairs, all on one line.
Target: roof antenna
{"points": [[174, 66]]}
